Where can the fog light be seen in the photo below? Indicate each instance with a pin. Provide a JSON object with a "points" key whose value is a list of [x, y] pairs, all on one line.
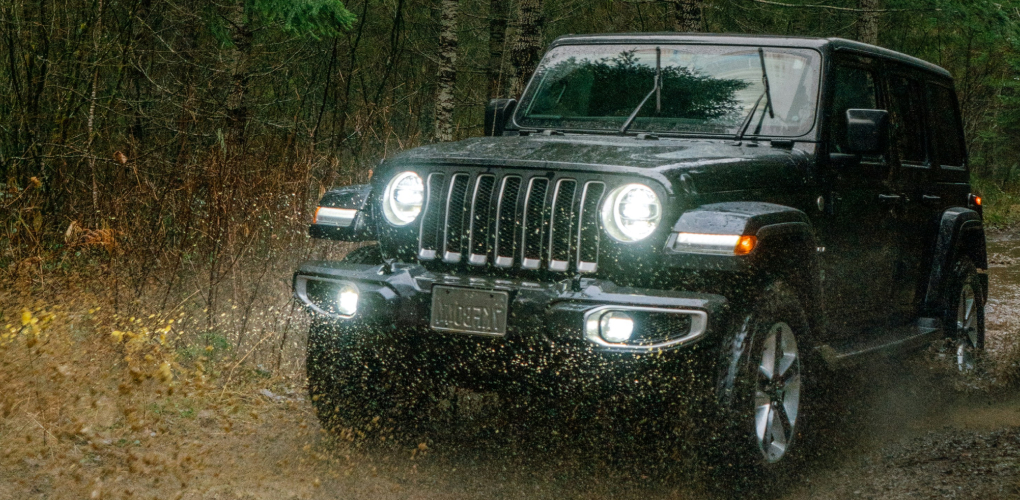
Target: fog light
{"points": [[616, 327], [347, 300]]}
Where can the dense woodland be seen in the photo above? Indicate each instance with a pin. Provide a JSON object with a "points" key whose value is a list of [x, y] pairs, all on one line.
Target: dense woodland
{"points": [[175, 147]]}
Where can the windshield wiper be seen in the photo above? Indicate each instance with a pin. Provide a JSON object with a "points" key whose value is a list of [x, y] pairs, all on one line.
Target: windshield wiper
{"points": [[767, 94], [656, 89]]}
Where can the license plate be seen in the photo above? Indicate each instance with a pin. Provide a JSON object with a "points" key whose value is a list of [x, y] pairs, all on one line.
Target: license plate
{"points": [[465, 310]]}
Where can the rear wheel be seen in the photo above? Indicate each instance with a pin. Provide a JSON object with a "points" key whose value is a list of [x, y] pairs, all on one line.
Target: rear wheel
{"points": [[963, 312]]}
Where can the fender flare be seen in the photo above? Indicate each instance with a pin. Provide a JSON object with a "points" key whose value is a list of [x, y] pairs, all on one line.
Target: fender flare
{"points": [[960, 232], [354, 197], [785, 236]]}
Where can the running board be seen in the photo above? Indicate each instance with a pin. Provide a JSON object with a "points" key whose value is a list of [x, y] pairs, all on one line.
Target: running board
{"points": [[849, 353]]}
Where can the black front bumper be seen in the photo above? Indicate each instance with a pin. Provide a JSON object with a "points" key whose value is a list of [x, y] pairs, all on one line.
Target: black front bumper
{"points": [[401, 297], [544, 346]]}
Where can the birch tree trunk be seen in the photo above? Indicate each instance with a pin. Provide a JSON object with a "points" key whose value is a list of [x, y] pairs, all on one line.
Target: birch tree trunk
{"points": [[497, 38], [528, 46], [867, 30], [447, 74], [687, 16]]}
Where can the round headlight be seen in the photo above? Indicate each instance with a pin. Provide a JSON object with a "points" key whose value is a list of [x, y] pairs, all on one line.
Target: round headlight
{"points": [[631, 212], [403, 198]]}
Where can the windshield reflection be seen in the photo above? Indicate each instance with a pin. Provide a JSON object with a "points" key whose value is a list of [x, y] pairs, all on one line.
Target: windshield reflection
{"points": [[704, 89]]}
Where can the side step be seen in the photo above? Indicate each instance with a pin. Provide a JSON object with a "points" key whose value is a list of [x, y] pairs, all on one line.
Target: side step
{"points": [[848, 353]]}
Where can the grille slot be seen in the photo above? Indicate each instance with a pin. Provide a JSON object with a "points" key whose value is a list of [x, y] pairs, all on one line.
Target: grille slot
{"points": [[588, 227], [562, 224], [509, 221], [481, 225], [534, 223], [431, 230], [456, 216]]}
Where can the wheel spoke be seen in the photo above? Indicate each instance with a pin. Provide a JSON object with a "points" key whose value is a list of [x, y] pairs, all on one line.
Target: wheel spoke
{"points": [[791, 398], [762, 409], [768, 357], [788, 346], [777, 431]]}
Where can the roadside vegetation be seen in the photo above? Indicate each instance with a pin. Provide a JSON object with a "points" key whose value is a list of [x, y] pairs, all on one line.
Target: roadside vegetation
{"points": [[160, 161]]}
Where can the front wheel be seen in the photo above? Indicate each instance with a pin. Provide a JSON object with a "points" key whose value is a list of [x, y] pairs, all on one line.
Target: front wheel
{"points": [[364, 381], [762, 385]]}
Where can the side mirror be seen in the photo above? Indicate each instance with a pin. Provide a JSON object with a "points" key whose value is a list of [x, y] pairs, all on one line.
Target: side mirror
{"points": [[867, 130], [497, 112]]}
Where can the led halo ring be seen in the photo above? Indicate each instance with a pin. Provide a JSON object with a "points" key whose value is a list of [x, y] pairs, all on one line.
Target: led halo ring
{"points": [[403, 198], [631, 212]]}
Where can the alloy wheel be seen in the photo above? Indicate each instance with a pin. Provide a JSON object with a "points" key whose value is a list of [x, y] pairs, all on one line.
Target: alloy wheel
{"points": [[966, 328], [777, 392]]}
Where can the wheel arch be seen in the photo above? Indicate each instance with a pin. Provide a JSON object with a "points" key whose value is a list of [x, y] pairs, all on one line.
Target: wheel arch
{"points": [[961, 233], [786, 250]]}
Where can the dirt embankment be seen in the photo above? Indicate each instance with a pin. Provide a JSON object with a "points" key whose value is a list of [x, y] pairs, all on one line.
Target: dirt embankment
{"points": [[100, 407]]}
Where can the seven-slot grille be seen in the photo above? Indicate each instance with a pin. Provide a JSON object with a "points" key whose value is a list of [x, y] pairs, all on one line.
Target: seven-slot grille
{"points": [[511, 221]]}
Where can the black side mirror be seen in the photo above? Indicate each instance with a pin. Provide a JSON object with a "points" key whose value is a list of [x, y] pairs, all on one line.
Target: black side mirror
{"points": [[497, 112], [867, 130]]}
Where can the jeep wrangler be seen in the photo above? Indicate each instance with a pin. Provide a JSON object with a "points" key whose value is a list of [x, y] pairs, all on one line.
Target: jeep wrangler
{"points": [[660, 214]]}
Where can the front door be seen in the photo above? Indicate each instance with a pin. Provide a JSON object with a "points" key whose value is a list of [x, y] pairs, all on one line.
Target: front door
{"points": [[857, 237]]}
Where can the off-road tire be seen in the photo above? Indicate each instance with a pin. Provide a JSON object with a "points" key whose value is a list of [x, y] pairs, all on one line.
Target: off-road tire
{"points": [[363, 378], [776, 321], [965, 328]]}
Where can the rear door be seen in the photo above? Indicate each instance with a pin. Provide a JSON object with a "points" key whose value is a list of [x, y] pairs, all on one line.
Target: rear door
{"points": [[911, 217]]}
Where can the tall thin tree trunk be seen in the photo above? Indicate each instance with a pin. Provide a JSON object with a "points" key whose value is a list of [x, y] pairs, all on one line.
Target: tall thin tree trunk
{"points": [[447, 74], [528, 46], [687, 16], [497, 38], [867, 30], [237, 108]]}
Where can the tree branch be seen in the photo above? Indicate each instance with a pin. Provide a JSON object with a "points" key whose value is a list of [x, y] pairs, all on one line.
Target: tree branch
{"points": [[831, 7]]}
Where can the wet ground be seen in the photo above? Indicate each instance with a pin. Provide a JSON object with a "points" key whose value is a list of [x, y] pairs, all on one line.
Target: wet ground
{"points": [[896, 429]]}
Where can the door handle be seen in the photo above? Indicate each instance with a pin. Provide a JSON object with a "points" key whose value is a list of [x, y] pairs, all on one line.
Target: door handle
{"points": [[931, 198], [889, 198]]}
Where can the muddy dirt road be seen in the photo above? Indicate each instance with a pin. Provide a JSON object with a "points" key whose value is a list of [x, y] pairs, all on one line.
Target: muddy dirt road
{"points": [[901, 430]]}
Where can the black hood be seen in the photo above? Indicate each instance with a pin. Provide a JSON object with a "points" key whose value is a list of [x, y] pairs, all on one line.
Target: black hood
{"points": [[713, 165]]}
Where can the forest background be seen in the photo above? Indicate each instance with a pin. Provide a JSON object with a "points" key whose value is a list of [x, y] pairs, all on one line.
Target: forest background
{"points": [[161, 159]]}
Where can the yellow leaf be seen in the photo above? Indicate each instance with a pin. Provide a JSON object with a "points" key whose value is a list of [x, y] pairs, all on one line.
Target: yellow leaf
{"points": [[26, 317]]}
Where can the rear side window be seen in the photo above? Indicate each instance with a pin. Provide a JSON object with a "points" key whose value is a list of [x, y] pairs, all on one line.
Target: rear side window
{"points": [[946, 126], [906, 119], [855, 89]]}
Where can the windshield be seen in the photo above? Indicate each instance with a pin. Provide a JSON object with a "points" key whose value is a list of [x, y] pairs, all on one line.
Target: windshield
{"points": [[703, 89]]}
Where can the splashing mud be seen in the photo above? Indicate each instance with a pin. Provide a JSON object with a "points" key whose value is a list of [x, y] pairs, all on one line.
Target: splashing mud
{"points": [[89, 411]]}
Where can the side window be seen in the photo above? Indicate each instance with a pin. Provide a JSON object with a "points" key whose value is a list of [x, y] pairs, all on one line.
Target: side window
{"points": [[906, 119], [855, 89], [946, 126]]}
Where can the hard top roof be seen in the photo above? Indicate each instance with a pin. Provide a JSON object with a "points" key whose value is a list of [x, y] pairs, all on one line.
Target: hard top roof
{"points": [[835, 44]]}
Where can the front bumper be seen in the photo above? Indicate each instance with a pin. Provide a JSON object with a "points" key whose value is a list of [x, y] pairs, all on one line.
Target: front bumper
{"points": [[400, 297]]}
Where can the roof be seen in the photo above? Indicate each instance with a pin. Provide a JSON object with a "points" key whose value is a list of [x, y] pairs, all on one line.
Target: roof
{"points": [[835, 44]]}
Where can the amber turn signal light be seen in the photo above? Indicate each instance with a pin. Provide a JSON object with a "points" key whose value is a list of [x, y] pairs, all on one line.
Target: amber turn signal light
{"points": [[745, 244]]}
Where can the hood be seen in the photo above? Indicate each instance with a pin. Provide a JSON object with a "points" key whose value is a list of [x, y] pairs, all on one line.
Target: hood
{"points": [[712, 164]]}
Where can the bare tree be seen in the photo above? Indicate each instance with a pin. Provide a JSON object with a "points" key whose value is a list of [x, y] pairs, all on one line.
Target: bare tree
{"points": [[528, 46], [447, 74], [867, 30], [497, 37], [687, 16]]}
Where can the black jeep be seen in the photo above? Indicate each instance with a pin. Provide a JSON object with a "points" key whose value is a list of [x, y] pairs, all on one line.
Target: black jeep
{"points": [[659, 215]]}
